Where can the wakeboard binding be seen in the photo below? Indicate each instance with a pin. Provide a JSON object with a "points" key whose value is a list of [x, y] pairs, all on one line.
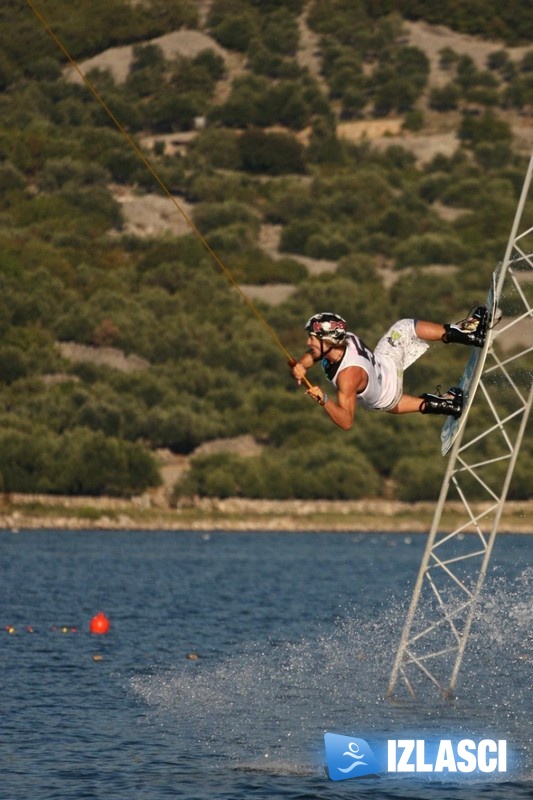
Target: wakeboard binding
{"points": [[450, 404], [471, 330]]}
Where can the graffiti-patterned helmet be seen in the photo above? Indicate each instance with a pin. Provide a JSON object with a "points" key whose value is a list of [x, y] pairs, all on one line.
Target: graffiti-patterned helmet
{"points": [[327, 327]]}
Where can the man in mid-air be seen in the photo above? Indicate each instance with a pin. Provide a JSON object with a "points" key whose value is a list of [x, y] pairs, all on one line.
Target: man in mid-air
{"points": [[374, 379]]}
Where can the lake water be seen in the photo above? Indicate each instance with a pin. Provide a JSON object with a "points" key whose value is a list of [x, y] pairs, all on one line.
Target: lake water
{"points": [[295, 633]]}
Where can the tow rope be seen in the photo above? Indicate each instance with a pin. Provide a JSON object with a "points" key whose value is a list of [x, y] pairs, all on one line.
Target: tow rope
{"points": [[137, 150]]}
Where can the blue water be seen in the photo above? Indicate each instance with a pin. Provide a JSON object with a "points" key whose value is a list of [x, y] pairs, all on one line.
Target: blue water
{"points": [[295, 635]]}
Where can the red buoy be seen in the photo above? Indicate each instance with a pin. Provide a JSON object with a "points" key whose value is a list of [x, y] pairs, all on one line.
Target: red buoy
{"points": [[99, 623]]}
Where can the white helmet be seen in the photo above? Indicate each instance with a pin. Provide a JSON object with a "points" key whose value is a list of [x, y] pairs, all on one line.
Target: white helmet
{"points": [[327, 327]]}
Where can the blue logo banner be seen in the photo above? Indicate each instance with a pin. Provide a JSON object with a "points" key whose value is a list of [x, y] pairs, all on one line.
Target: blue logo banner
{"points": [[349, 757]]}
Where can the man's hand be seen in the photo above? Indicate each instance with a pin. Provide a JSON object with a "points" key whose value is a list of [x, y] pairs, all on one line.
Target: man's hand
{"points": [[317, 394], [298, 371]]}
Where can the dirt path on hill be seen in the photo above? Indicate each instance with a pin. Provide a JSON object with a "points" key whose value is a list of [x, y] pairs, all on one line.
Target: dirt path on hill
{"points": [[434, 38], [152, 214]]}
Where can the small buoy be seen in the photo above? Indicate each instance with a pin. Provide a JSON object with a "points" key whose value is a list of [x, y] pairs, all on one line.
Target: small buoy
{"points": [[192, 656], [99, 623], [10, 629], [97, 657]]}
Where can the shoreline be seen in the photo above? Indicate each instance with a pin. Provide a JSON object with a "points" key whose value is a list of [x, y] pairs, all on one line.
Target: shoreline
{"points": [[40, 512]]}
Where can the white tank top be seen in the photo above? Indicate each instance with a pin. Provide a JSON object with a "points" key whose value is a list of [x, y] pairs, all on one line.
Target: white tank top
{"points": [[382, 388]]}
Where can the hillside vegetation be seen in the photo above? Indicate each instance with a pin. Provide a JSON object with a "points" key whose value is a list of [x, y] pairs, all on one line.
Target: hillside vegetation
{"points": [[245, 134]]}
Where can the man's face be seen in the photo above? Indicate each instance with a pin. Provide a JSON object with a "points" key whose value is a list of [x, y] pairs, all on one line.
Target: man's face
{"points": [[313, 345]]}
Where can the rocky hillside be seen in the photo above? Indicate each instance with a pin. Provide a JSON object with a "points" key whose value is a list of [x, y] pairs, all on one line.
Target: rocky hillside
{"points": [[331, 156]]}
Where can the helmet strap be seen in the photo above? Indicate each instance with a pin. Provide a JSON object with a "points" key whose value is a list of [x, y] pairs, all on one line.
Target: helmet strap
{"points": [[323, 353]]}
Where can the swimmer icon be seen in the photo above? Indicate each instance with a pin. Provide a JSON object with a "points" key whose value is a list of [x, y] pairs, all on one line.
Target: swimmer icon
{"points": [[349, 757]]}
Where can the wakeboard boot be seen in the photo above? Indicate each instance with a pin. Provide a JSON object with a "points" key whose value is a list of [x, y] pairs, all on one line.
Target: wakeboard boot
{"points": [[471, 331], [450, 404]]}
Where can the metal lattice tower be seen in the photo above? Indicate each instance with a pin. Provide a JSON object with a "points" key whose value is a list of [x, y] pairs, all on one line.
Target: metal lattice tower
{"points": [[481, 463]]}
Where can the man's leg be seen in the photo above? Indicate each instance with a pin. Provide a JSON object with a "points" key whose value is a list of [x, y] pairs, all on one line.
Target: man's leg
{"points": [[470, 331], [449, 404], [405, 342], [429, 331], [406, 405]]}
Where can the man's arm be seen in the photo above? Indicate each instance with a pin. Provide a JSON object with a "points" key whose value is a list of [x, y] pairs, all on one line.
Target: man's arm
{"points": [[350, 382], [299, 368]]}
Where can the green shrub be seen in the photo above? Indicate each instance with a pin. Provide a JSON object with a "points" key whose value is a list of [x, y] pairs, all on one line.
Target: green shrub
{"points": [[218, 148], [435, 295], [497, 59], [13, 363], [357, 267], [514, 95], [417, 479], [79, 462], [254, 100], [233, 239], [11, 179], [295, 235], [520, 488], [279, 32], [282, 474], [482, 96], [429, 248], [488, 127], [235, 31], [95, 464], [272, 153], [329, 246], [99, 416], [111, 22], [147, 70], [168, 112], [432, 187], [208, 216], [59, 173], [491, 156], [263, 61], [448, 58], [444, 98], [181, 429], [254, 266], [399, 80], [414, 120], [23, 460]]}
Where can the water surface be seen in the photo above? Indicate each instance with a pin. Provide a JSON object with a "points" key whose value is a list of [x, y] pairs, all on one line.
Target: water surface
{"points": [[295, 633]]}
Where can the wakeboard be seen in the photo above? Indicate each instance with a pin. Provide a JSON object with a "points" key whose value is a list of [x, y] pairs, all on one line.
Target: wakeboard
{"points": [[472, 374]]}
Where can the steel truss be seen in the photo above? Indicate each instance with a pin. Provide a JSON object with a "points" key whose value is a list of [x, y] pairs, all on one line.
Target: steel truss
{"points": [[481, 462]]}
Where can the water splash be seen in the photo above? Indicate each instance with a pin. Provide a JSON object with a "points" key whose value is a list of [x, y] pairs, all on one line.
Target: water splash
{"points": [[268, 706]]}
